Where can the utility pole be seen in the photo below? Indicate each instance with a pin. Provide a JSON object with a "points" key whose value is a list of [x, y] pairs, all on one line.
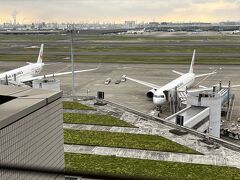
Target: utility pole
{"points": [[72, 60]]}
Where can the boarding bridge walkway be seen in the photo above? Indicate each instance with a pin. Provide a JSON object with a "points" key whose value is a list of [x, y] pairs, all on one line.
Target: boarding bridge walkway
{"points": [[193, 117], [182, 95], [197, 115]]}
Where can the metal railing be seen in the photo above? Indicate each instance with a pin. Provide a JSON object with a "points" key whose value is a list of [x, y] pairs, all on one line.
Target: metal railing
{"points": [[205, 136]]}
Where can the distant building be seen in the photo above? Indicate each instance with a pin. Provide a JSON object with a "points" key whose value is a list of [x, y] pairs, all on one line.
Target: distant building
{"points": [[153, 24], [63, 26], [130, 24], [31, 132], [164, 23], [228, 23]]}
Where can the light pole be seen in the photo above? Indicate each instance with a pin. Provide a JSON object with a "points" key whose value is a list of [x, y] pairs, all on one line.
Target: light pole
{"points": [[72, 60]]}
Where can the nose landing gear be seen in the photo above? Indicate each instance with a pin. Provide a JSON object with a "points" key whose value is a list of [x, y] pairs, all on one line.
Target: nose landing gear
{"points": [[159, 109]]}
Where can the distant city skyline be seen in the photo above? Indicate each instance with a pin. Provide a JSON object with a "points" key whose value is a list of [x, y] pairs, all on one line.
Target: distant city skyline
{"points": [[118, 11]]}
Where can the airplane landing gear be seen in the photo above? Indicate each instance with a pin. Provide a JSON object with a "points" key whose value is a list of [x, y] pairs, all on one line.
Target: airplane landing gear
{"points": [[159, 109]]}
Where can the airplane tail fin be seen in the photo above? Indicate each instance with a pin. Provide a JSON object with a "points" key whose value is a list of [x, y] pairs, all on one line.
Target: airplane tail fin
{"points": [[40, 56], [192, 63]]}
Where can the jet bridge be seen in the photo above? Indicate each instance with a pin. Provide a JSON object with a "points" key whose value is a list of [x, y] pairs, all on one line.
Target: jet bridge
{"points": [[203, 111], [193, 117]]}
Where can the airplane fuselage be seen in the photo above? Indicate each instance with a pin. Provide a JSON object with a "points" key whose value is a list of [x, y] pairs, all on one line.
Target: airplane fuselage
{"points": [[19, 74], [158, 93], [181, 82], [30, 72]]}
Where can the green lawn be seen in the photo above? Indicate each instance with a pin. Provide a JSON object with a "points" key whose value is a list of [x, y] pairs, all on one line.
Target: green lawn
{"points": [[30, 55], [147, 49], [124, 140], [156, 59], [94, 119], [129, 167], [127, 48], [78, 37], [75, 105], [38, 38]]}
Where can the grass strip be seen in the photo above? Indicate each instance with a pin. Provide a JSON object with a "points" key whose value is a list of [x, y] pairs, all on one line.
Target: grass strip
{"points": [[128, 59], [75, 105], [124, 140], [147, 49], [138, 168], [38, 38], [130, 48], [94, 119]]}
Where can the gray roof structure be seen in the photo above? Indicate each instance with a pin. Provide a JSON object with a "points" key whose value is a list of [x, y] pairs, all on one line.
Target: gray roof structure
{"points": [[18, 102]]}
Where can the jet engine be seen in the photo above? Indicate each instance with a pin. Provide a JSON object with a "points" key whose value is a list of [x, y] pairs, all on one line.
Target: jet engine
{"points": [[150, 93]]}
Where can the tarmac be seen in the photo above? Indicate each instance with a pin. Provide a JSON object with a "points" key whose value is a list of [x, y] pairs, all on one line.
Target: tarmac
{"points": [[129, 93]]}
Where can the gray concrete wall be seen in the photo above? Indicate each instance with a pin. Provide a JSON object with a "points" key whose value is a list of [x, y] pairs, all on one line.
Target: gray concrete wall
{"points": [[35, 140]]}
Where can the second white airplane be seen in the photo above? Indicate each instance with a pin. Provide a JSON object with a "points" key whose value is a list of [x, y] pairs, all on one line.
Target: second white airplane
{"points": [[157, 93], [31, 71]]}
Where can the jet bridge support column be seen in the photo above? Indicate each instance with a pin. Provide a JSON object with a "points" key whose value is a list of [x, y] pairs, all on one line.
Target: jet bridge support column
{"points": [[215, 116], [6, 80], [15, 77], [173, 100], [229, 100]]}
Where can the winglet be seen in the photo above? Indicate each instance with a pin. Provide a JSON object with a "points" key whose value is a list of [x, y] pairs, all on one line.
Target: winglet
{"points": [[40, 56], [192, 63]]}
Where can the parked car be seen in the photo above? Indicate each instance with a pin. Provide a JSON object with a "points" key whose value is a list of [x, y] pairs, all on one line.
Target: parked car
{"points": [[117, 81], [108, 81]]}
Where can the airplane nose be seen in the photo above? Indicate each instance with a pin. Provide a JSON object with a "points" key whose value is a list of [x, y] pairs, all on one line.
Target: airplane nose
{"points": [[157, 101]]}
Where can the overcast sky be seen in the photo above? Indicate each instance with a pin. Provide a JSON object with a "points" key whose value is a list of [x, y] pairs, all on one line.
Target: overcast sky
{"points": [[120, 10]]}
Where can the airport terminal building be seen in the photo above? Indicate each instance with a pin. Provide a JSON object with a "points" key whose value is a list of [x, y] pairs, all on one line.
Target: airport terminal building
{"points": [[31, 132]]}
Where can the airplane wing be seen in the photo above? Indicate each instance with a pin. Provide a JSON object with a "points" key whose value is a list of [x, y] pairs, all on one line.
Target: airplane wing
{"points": [[233, 86], [143, 83], [179, 73], [208, 74], [211, 88], [16, 83], [54, 75]]}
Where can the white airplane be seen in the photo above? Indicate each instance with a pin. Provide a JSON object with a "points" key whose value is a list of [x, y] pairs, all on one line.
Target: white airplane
{"points": [[136, 31], [157, 93], [29, 72], [236, 32]]}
